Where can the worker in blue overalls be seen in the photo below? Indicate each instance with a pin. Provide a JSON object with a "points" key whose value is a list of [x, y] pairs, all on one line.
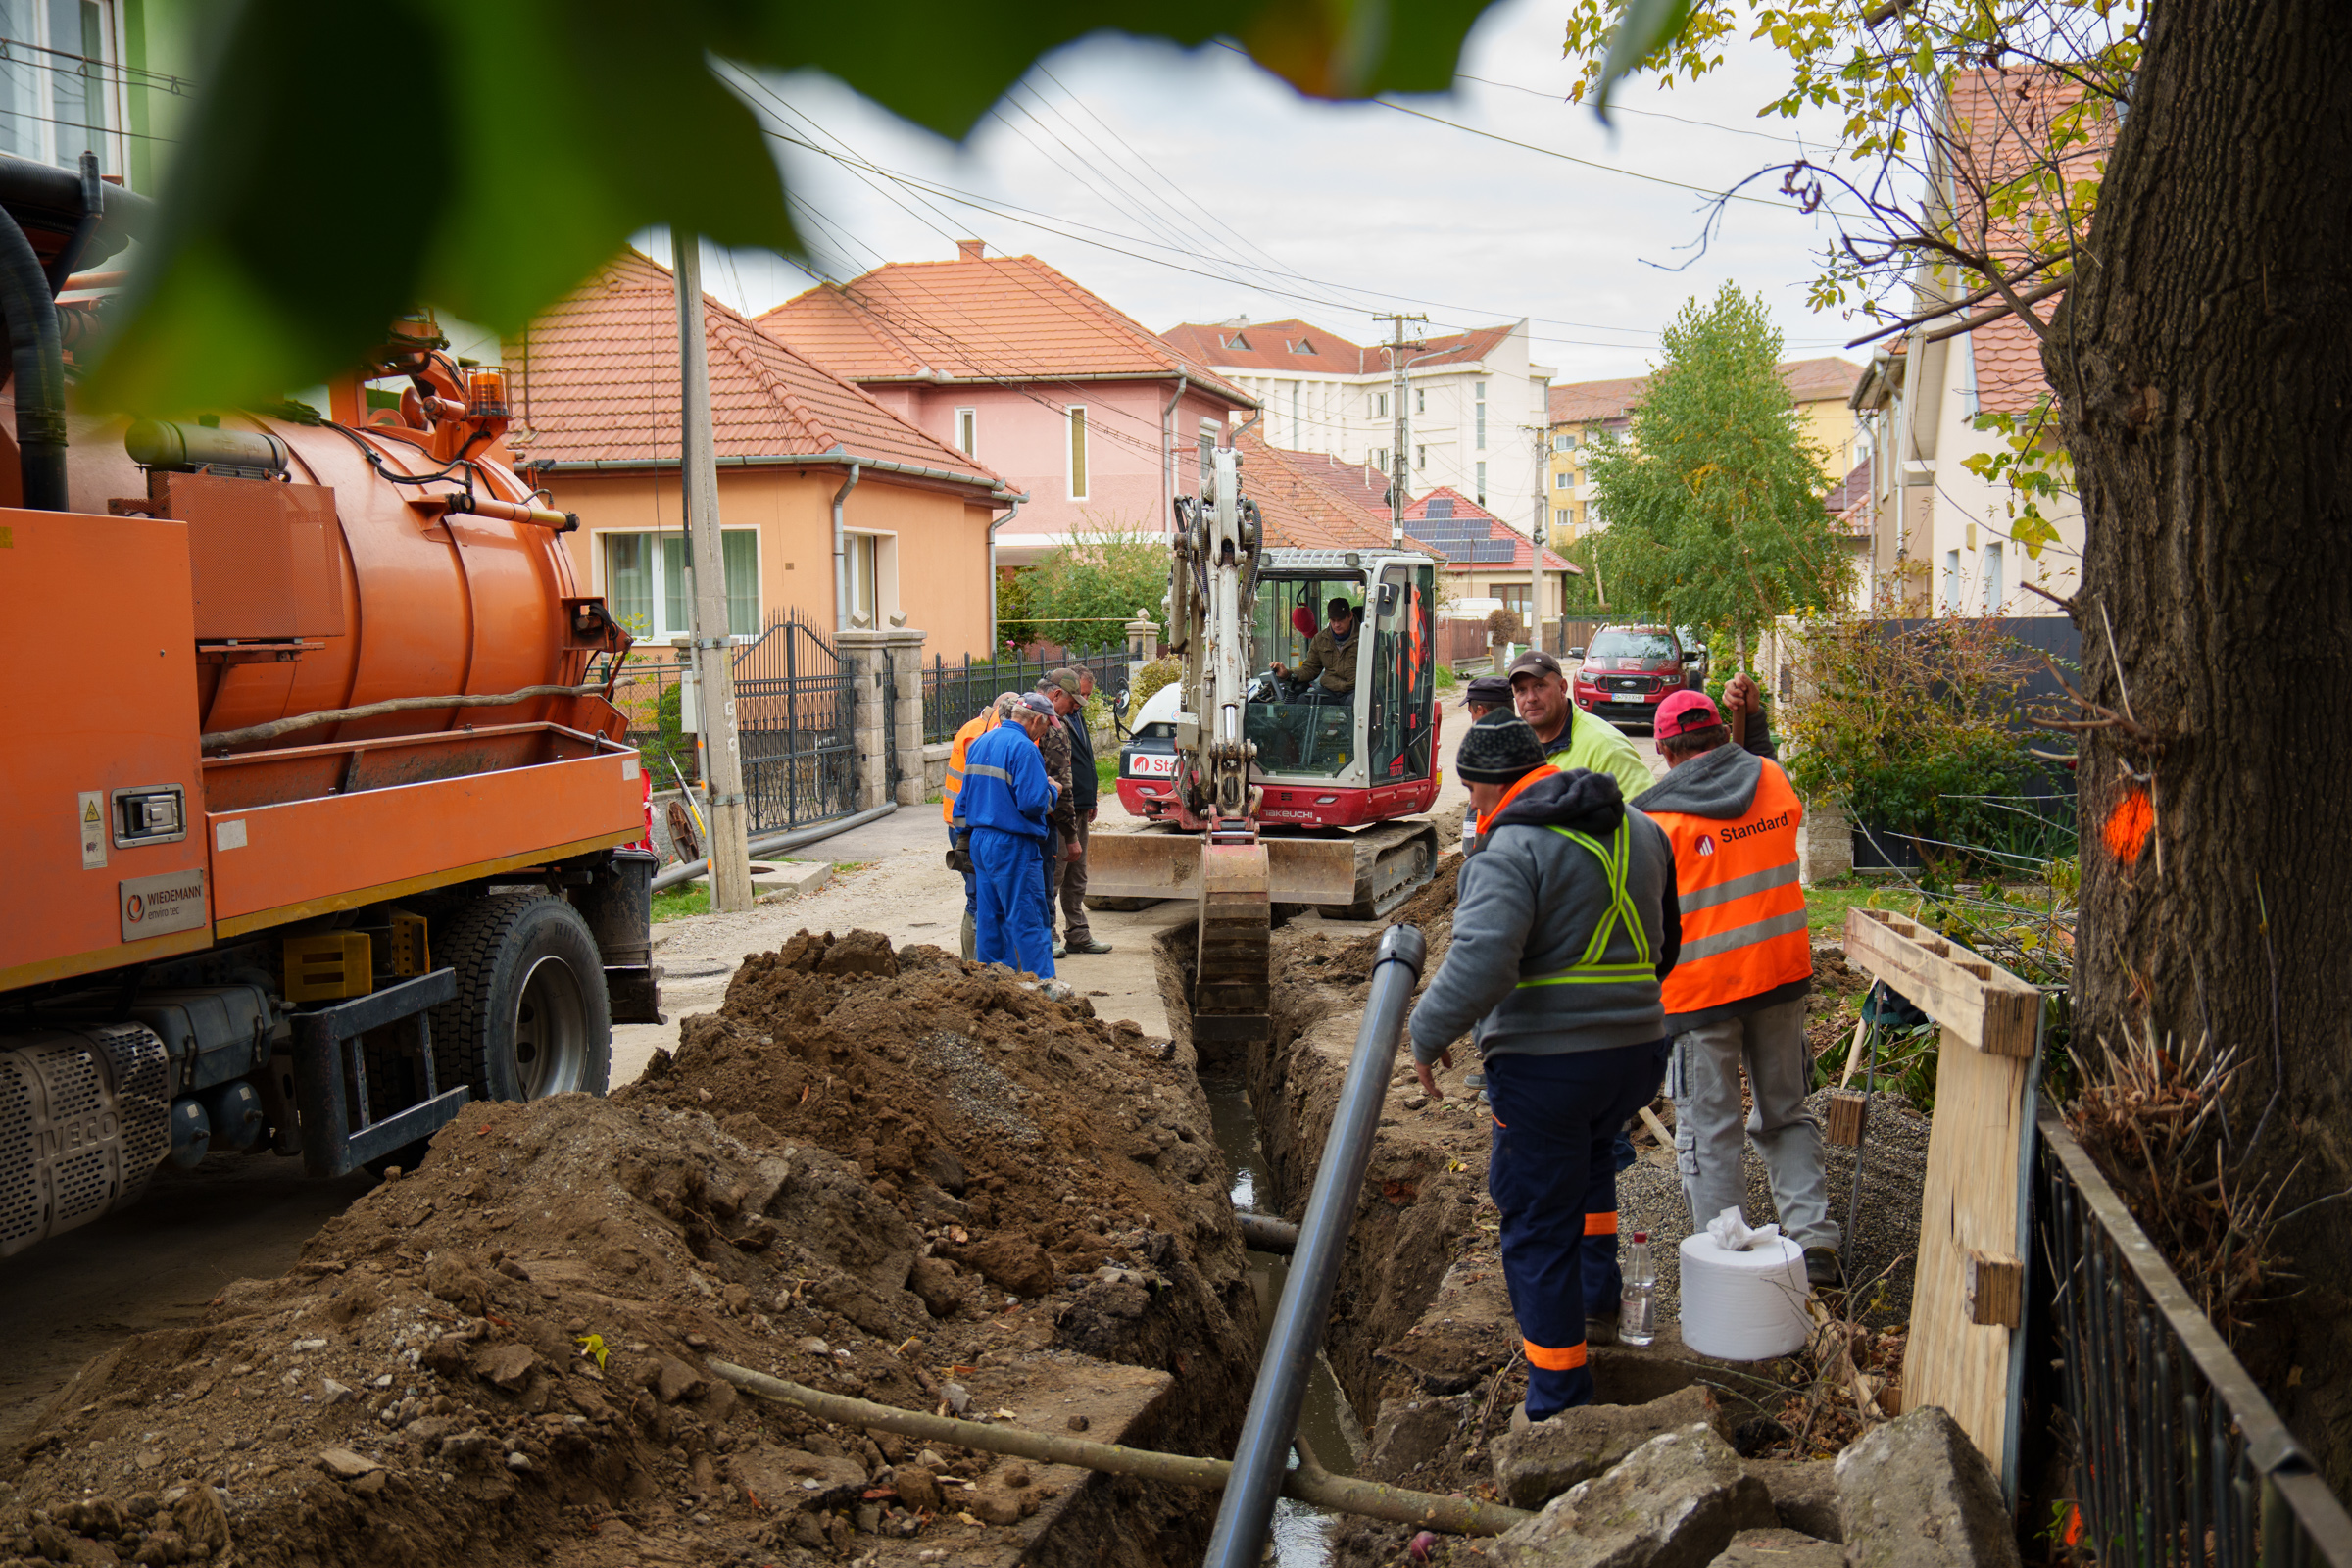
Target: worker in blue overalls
{"points": [[1007, 793]]}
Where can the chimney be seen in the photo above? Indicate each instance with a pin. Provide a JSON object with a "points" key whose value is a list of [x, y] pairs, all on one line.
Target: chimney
{"points": [[969, 250]]}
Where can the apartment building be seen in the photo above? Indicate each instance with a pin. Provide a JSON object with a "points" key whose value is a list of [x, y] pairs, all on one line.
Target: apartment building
{"points": [[1476, 423]]}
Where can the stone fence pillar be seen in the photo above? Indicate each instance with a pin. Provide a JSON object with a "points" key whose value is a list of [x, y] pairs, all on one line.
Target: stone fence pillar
{"points": [[887, 661], [1825, 848]]}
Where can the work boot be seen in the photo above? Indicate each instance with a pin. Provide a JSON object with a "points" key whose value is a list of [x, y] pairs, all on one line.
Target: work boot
{"points": [[1601, 1330], [1823, 1271], [971, 937], [1089, 945], [1060, 951]]}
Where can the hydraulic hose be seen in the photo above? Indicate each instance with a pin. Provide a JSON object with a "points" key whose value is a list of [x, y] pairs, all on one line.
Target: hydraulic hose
{"points": [[778, 843], [36, 361], [1261, 1455]]}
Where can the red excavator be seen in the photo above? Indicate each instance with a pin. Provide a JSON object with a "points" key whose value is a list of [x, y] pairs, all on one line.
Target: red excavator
{"points": [[1264, 790]]}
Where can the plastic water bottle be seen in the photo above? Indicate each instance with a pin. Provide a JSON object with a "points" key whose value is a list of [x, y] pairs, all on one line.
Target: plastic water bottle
{"points": [[1638, 1309]]}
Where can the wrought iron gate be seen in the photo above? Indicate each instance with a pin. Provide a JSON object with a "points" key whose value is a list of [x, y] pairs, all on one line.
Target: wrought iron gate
{"points": [[796, 706]]}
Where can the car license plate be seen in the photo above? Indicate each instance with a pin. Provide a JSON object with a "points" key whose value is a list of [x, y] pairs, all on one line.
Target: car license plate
{"points": [[1152, 764]]}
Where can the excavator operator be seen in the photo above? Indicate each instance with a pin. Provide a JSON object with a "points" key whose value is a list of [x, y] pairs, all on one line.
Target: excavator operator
{"points": [[1330, 662]]}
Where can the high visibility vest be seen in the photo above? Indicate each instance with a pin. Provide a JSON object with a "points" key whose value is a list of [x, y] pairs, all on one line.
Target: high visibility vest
{"points": [[953, 786], [1593, 966], [1744, 913]]}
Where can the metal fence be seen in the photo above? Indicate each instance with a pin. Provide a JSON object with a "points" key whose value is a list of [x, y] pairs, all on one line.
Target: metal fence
{"points": [[795, 710], [2177, 1458], [954, 693]]}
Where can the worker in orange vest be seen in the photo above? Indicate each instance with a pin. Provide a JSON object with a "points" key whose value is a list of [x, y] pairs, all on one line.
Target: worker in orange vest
{"points": [[1736, 997], [951, 788]]}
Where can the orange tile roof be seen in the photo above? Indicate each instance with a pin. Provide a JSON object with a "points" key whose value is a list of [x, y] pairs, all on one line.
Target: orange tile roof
{"points": [[1582, 402], [1523, 549], [982, 318], [2000, 119], [596, 378], [1292, 344], [1312, 502], [1807, 381], [1851, 491]]}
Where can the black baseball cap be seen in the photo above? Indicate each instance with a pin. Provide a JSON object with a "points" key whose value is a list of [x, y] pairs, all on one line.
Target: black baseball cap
{"points": [[1488, 689]]}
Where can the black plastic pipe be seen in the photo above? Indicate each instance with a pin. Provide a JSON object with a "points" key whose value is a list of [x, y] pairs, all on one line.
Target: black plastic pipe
{"points": [[1261, 1233], [777, 844], [38, 364], [1272, 1424]]}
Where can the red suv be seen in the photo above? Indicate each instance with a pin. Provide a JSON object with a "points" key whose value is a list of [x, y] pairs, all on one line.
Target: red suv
{"points": [[1628, 670]]}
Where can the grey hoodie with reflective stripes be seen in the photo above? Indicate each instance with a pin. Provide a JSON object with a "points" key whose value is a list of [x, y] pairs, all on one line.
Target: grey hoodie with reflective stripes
{"points": [[1564, 923], [1721, 786]]}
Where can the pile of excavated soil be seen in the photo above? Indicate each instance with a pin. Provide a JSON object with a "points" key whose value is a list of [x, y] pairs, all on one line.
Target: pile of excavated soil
{"points": [[897, 1176]]}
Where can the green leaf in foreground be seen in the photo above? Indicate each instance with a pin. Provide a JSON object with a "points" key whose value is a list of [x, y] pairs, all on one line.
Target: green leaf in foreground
{"points": [[345, 162]]}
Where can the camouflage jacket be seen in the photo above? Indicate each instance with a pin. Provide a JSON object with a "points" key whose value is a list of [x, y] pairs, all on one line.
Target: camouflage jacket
{"points": [[1063, 819]]}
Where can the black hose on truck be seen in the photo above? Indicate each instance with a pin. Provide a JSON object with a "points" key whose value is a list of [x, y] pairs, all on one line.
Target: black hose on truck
{"points": [[38, 368], [1272, 1424]]}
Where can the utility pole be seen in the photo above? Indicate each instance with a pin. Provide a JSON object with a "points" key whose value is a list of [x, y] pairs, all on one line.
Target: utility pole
{"points": [[1541, 436], [1400, 470], [730, 838]]}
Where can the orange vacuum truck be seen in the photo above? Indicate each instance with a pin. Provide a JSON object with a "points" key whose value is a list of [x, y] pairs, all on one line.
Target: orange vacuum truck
{"points": [[315, 829]]}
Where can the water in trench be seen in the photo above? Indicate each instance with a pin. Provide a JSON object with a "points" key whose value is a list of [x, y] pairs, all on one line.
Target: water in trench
{"points": [[1328, 1422]]}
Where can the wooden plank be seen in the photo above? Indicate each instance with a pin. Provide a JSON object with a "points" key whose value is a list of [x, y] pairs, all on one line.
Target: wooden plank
{"points": [[1969, 1204], [1978, 1003], [1843, 1124], [1995, 1290]]}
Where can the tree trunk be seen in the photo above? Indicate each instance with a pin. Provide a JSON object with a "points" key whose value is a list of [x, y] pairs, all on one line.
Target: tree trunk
{"points": [[2203, 363]]}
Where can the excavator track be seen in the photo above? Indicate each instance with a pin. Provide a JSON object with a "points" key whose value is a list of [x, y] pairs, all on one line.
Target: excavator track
{"points": [[1232, 977]]}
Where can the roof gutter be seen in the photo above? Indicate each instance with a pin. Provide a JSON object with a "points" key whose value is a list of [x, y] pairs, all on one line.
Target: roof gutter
{"points": [[841, 560], [994, 524], [996, 488], [1229, 392]]}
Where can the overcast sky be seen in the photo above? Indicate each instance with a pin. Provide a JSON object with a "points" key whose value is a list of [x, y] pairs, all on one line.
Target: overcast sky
{"points": [[1193, 185]]}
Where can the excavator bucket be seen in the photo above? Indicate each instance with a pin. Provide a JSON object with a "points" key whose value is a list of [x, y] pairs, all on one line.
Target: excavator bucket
{"points": [[1149, 865], [1311, 870]]}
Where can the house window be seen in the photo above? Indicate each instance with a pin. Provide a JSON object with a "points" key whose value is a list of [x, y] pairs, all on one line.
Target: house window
{"points": [[1236, 341], [1420, 400], [870, 590], [968, 431], [1304, 345], [1297, 439], [1377, 404], [1482, 481], [1951, 582], [1561, 517], [59, 89], [1516, 597], [1563, 480], [648, 581], [1379, 458], [1995, 598], [1420, 456], [1077, 453]]}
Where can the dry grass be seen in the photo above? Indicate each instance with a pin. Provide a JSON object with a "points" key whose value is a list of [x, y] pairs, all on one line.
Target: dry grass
{"points": [[2153, 1115]]}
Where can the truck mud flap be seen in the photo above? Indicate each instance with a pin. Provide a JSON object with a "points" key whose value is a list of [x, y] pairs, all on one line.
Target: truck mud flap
{"points": [[330, 1077]]}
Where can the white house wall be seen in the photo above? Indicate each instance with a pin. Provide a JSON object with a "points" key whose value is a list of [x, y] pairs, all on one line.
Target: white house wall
{"points": [[1971, 514]]}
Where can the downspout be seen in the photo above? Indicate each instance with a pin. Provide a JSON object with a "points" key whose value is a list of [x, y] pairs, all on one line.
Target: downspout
{"points": [[841, 560], [996, 523], [1167, 454]]}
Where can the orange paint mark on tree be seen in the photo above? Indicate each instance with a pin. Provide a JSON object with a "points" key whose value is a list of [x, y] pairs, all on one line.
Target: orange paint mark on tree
{"points": [[2129, 826]]}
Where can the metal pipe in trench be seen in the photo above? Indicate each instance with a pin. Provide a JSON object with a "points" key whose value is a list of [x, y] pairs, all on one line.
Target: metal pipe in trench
{"points": [[778, 843], [1265, 1233], [1261, 1455]]}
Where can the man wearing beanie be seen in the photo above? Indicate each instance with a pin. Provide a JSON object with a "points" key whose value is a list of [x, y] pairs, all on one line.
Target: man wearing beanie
{"points": [[1564, 924]]}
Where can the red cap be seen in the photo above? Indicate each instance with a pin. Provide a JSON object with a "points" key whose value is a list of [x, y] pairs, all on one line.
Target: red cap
{"points": [[1640, 1237], [1684, 712]]}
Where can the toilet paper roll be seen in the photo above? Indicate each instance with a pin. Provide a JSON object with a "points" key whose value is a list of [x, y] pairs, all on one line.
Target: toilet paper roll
{"points": [[1743, 1306]]}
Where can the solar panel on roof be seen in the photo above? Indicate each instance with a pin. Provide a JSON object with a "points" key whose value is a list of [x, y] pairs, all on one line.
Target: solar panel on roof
{"points": [[1442, 507]]}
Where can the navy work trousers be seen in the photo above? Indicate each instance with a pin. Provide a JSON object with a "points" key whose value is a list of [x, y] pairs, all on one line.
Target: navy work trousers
{"points": [[1554, 1174], [1010, 888]]}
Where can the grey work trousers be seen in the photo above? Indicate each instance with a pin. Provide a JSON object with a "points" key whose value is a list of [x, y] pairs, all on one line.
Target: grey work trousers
{"points": [[1066, 885], [1709, 1142]]}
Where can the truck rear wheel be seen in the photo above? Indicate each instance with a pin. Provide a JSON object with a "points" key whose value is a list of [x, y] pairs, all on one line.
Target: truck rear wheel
{"points": [[531, 1017]]}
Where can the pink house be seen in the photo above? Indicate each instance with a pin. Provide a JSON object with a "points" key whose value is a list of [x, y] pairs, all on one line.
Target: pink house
{"points": [[1095, 419]]}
